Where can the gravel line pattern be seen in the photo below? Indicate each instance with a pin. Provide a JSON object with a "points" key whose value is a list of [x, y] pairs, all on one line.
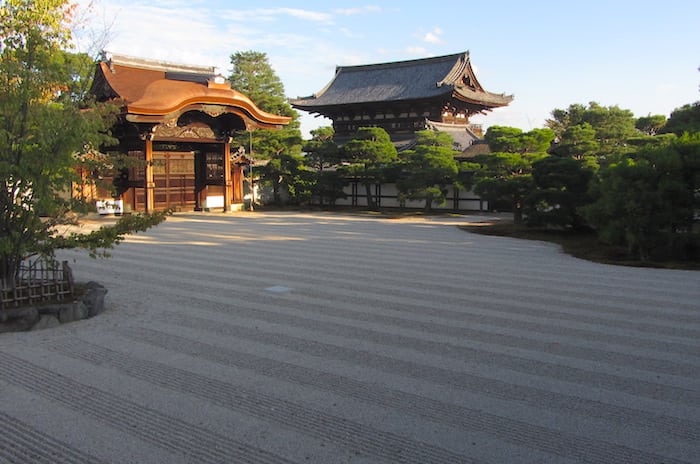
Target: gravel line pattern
{"points": [[280, 337], [21, 443]]}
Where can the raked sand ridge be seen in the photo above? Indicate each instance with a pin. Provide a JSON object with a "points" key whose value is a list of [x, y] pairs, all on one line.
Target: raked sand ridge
{"points": [[279, 337]]}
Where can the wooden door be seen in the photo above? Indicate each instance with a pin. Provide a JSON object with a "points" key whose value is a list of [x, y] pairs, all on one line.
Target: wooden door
{"points": [[174, 178]]}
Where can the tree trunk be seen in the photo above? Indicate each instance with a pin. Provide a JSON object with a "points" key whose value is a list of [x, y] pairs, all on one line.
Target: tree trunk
{"points": [[370, 199], [517, 213], [9, 267]]}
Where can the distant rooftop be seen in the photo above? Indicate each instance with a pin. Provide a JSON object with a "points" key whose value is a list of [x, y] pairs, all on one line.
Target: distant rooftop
{"points": [[404, 80]]}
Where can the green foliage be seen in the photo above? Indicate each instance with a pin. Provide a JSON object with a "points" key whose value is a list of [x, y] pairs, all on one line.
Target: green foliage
{"points": [[647, 200], [371, 145], [328, 186], [287, 173], [650, 125], [657, 140], [593, 133], [370, 151], [428, 168], [513, 140], [684, 119], [322, 151], [253, 76], [560, 189], [579, 142], [99, 241], [503, 139], [688, 148], [645, 188], [506, 177], [43, 129], [612, 124]]}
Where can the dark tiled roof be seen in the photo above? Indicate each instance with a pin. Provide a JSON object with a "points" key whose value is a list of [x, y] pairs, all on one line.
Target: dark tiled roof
{"points": [[402, 80], [479, 147], [462, 135]]}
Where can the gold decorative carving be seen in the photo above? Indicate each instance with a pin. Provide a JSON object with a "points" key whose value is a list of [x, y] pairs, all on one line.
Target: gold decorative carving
{"points": [[214, 110], [170, 129]]}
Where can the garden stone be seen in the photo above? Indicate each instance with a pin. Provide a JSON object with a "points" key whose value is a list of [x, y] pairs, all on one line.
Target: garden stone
{"points": [[46, 321], [94, 298], [72, 312], [18, 319]]}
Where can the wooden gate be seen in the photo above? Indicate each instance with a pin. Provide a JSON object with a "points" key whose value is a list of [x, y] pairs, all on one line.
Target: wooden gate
{"points": [[174, 178]]}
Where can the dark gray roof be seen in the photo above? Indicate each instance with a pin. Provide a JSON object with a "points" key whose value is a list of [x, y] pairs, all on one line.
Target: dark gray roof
{"points": [[462, 135], [400, 80]]}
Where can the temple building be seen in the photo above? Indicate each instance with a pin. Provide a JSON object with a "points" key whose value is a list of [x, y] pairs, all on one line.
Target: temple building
{"points": [[403, 97], [179, 123]]}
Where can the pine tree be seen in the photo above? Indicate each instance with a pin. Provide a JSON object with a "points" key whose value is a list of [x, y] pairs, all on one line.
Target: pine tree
{"points": [[253, 76]]}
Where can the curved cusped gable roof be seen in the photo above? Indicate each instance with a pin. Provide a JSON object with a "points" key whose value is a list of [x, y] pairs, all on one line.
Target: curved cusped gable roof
{"points": [[156, 91], [449, 75]]}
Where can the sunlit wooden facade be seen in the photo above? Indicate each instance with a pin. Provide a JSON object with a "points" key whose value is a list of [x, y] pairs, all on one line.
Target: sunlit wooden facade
{"points": [[179, 124]]}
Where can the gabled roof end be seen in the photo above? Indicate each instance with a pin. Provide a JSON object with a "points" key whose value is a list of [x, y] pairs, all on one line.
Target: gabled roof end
{"points": [[155, 65]]}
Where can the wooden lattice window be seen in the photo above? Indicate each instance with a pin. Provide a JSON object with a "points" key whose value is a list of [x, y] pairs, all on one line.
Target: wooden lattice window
{"points": [[215, 166]]}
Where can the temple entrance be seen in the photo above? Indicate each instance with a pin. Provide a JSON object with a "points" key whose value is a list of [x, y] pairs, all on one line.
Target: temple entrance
{"points": [[174, 178], [178, 124]]}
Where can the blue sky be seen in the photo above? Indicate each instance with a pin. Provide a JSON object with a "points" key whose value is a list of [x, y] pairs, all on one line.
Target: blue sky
{"points": [[639, 55]]}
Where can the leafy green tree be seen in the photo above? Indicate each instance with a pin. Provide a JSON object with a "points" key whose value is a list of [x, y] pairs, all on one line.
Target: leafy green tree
{"points": [[647, 200], [253, 76], [650, 125], [328, 186], [563, 119], [579, 142], [684, 119], [44, 125], [322, 153], [688, 148], [370, 152], [288, 173], [561, 189], [506, 177], [503, 139], [611, 126], [428, 168], [513, 140]]}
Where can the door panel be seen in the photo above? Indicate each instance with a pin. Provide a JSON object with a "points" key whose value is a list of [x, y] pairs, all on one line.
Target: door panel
{"points": [[174, 178]]}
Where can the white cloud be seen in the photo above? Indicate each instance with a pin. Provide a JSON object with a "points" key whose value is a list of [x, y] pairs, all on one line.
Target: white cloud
{"points": [[272, 14], [359, 10], [307, 15], [433, 36]]}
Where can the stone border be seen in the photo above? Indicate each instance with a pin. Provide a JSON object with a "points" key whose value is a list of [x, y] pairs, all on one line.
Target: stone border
{"points": [[90, 304]]}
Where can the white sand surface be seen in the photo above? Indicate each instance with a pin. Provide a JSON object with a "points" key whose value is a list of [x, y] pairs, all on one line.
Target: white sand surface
{"points": [[274, 337]]}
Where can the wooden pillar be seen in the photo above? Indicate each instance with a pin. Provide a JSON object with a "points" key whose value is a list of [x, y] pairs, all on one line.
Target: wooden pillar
{"points": [[238, 183], [228, 184], [149, 191]]}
